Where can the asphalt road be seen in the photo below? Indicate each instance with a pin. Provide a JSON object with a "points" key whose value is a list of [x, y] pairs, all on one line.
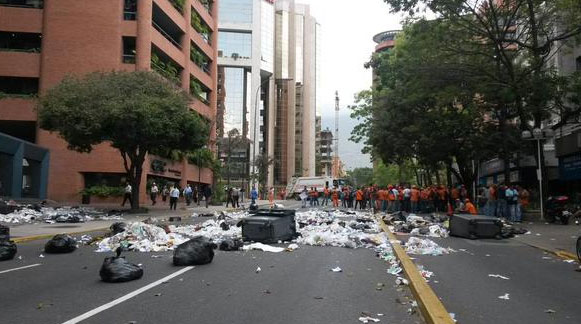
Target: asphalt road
{"points": [[293, 287], [538, 282]]}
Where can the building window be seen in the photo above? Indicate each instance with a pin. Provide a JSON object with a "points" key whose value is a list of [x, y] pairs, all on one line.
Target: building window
{"points": [[578, 61], [129, 50], [130, 10], [198, 90], [38, 4], [235, 45], [200, 59], [208, 4], [14, 86], [201, 27], [20, 42], [235, 11]]}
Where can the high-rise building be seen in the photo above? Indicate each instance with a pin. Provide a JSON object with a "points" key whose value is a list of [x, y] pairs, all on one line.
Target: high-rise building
{"points": [[297, 72], [246, 66], [43, 41], [326, 152]]}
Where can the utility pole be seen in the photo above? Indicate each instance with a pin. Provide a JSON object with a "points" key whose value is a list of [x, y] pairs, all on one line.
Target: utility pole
{"points": [[336, 161]]}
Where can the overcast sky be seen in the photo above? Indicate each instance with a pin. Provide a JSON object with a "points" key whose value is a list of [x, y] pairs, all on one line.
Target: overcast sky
{"points": [[347, 31]]}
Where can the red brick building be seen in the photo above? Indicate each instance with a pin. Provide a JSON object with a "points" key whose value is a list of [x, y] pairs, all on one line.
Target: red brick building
{"points": [[43, 41]]}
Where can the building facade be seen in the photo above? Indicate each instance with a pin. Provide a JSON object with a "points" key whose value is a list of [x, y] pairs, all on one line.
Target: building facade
{"points": [[246, 84], [41, 42], [298, 78], [326, 152]]}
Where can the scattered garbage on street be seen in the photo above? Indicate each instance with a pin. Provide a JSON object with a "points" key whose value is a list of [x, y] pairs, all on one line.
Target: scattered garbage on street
{"points": [[416, 245], [118, 269], [37, 213], [60, 244]]}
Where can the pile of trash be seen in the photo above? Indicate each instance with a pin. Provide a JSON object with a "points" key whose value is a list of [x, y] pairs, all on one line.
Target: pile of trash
{"points": [[22, 214], [433, 225], [418, 246], [143, 238]]}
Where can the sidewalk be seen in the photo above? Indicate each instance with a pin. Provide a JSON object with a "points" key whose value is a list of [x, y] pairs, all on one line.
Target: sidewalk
{"points": [[26, 232], [553, 237]]}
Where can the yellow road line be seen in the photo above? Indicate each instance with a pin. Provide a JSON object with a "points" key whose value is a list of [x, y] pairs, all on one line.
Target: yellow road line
{"points": [[430, 305]]}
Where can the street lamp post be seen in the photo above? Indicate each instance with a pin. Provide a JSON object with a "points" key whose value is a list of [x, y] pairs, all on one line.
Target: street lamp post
{"points": [[539, 135]]}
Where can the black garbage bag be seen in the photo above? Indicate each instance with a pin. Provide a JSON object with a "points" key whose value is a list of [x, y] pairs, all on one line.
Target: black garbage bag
{"points": [[73, 219], [196, 251], [224, 226], [60, 243], [4, 233], [231, 245], [7, 250], [118, 227], [117, 269]]}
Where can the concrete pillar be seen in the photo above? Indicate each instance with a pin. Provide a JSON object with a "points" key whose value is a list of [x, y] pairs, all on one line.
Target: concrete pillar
{"points": [[16, 189], [43, 180], [143, 45], [186, 45]]}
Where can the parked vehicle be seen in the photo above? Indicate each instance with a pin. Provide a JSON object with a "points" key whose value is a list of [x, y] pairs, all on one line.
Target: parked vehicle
{"points": [[296, 186], [556, 210]]}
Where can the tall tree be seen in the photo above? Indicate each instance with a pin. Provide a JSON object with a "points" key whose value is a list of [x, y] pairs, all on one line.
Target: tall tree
{"points": [[135, 112]]}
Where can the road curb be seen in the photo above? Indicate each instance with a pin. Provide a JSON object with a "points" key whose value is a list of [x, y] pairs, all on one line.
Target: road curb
{"points": [[565, 255], [25, 239], [431, 307]]}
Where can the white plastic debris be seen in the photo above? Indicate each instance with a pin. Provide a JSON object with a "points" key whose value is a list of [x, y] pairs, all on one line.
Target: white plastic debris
{"points": [[292, 247], [337, 269], [498, 276], [258, 269], [401, 281], [41, 256], [505, 296], [420, 246], [367, 319], [262, 247]]}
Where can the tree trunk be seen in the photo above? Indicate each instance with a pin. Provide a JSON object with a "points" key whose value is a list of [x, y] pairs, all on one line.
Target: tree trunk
{"points": [[137, 185], [438, 178]]}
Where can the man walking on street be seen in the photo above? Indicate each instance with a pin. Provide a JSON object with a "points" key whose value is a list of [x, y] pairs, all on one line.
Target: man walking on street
{"points": [[127, 195], [253, 195], [235, 198], [153, 193], [207, 194], [174, 194], [188, 194]]}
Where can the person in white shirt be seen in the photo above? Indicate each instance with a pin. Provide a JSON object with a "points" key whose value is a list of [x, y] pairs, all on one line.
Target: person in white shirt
{"points": [[153, 193], [127, 195], [174, 194]]}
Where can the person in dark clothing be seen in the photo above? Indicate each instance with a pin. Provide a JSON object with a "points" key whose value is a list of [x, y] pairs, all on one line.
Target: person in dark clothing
{"points": [[207, 194], [502, 208]]}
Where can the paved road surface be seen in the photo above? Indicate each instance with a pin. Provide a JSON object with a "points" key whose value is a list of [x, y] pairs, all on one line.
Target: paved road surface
{"points": [[293, 287], [538, 282]]}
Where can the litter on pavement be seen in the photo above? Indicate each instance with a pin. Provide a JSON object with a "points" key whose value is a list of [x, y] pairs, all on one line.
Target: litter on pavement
{"points": [[22, 214], [420, 246], [262, 247], [337, 269], [505, 297], [498, 276], [367, 319]]}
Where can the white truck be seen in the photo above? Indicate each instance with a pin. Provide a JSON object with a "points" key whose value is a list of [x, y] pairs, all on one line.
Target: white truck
{"points": [[296, 186]]}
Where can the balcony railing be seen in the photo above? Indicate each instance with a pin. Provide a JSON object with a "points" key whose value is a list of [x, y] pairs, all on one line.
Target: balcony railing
{"points": [[36, 4], [166, 35]]}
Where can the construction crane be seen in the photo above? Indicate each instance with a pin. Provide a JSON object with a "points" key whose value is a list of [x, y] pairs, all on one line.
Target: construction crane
{"points": [[336, 161]]}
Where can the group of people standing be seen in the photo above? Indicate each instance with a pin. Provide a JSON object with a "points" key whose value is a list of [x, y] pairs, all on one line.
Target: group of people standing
{"points": [[173, 192], [504, 201], [495, 200]]}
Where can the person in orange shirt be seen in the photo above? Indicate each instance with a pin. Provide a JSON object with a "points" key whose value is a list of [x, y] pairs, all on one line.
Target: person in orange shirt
{"points": [[335, 197], [415, 198], [470, 208], [358, 198], [326, 194]]}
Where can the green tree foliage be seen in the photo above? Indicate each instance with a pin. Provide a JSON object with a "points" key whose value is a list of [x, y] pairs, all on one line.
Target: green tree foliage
{"points": [[262, 164], [393, 174], [360, 176], [136, 112]]}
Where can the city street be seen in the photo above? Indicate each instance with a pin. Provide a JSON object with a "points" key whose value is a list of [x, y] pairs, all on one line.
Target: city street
{"points": [[292, 287], [539, 283]]}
